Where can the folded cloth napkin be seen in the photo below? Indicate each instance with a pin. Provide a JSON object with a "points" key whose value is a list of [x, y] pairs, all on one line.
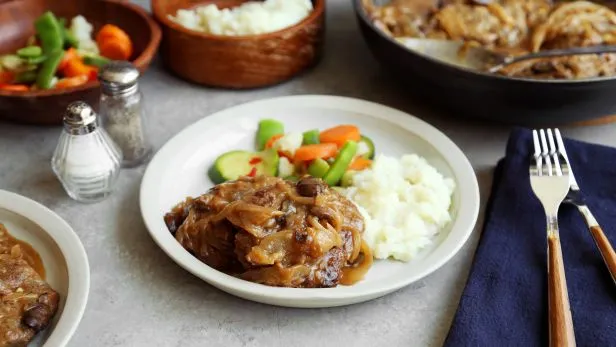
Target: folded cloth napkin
{"points": [[505, 299]]}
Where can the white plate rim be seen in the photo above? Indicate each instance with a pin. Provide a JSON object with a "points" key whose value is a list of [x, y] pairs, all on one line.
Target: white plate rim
{"points": [[76, 261], [294, 297]]}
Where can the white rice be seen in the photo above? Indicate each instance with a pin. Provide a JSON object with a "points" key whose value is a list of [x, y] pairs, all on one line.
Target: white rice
{"points": [[405, 204], [250, 18]]}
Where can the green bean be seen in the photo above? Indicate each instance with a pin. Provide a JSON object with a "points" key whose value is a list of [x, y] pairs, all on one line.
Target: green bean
{"points": [[49, 32], [48, 70]]}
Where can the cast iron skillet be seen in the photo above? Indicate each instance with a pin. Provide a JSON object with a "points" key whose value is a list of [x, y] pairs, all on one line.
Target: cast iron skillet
{"points": [[490, 97]]}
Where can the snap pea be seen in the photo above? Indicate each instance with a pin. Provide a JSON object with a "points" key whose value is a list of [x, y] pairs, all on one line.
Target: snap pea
{"points": [[311, 137], [44, 80], [95, 60], [267, 129], [26, 77], [30, 52], [36, 60], [49, 32], [69, 39], [318, 168]]}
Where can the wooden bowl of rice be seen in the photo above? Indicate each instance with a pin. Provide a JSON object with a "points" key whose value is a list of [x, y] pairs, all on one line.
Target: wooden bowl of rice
{"points": [[238, 62]]}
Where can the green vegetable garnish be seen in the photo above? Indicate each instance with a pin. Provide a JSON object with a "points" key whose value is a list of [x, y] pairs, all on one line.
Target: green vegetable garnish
{"points": [[36, 60], [347, 178], [95, 60], [49, 31], [69, 39], [30, 52], [231, 165], [367, 142], [45, 76], [267, 129], [342, 162], [318, 168], [311, 137]]}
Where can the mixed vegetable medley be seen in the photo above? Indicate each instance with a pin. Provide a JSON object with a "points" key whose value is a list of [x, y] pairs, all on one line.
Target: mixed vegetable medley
{"points": [[333, 155], [62, 55]]}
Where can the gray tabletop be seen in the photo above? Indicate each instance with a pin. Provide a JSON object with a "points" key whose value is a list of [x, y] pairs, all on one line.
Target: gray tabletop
{"points": [[139, 297]]}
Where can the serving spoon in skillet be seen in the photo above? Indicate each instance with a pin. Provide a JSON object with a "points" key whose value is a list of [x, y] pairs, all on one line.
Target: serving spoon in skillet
{"points": [[481, 59]]}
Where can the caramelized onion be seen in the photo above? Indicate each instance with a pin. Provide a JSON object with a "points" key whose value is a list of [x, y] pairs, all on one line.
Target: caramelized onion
{"points": [[355, 272]]}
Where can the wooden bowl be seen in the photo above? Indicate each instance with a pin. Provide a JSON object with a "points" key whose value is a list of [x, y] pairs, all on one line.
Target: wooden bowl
{"points": [[17, 22], [239, 62]]}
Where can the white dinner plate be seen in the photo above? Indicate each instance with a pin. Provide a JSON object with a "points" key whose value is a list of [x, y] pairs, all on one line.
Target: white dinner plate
{"points": [[179, 170], [64, 258]]}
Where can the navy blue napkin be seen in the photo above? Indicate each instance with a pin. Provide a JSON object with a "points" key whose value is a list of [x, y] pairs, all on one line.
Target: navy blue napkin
{"points": [[505, 299]]}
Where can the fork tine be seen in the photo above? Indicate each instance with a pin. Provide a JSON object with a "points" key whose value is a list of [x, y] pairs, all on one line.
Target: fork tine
{"points": [[537, 155], [554, 154], [561, 145], [544, 153]]}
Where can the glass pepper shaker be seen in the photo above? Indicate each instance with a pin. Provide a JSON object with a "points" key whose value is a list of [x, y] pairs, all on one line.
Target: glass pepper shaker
{"points": [[122, 111], [86, 161]]}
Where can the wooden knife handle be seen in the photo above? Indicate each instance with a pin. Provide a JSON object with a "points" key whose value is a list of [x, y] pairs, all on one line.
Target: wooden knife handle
{"points": [[606, 249], [561, 323]]}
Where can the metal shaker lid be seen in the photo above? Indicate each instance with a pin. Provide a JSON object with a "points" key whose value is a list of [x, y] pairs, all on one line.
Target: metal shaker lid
{"points": [[79, 118], [118, 77]]}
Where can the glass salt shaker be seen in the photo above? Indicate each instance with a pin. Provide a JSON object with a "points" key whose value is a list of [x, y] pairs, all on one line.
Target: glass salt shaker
{"points": [[86, 160], [122, 111]]}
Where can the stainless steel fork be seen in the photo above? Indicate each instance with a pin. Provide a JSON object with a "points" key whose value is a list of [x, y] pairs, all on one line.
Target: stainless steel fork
{"points": [[575, 197], [549, 179]]}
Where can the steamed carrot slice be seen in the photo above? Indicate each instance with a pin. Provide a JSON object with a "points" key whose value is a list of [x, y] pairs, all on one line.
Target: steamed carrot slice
{"points": [[69, 55], [272, 140], [76, 67], [15, 87], [360, 163], [312, 152], [340, 134], [114, 43], [111, 31], [115, 49], [72, 81]]}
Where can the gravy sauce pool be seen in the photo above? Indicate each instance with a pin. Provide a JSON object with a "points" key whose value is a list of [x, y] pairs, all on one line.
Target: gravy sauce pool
{"points": [[9, 244]]}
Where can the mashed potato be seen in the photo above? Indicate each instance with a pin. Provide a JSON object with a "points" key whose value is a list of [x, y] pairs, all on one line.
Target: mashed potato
{"points": [[250, 18], [405, 204]]}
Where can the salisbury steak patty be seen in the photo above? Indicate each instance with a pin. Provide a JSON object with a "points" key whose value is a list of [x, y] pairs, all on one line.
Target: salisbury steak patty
{"points": [[274, 232], [28, 302]]}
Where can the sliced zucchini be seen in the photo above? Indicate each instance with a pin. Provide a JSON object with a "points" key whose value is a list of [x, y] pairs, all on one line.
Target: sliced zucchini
{"points": [[232, 165]]}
